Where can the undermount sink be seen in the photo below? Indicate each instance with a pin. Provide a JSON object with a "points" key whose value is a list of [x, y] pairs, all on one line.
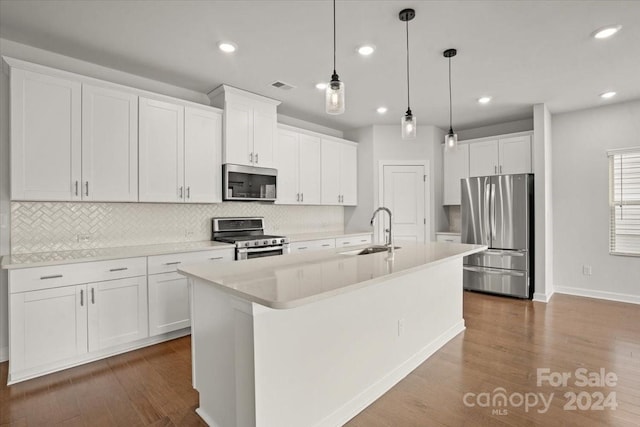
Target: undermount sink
{"points": [[369, 250]]}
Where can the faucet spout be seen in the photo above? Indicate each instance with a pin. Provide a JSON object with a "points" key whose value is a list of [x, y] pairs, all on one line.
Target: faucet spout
{"points": [[388, 237]]}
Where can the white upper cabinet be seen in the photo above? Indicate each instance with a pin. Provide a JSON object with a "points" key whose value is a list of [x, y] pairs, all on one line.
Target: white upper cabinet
{"points": [[45, 137], [339, 172], [456, 167], [250, 126], [179, 153], [161, 151], [109, 145], [500, 156], [202, 155], [298, 164]]}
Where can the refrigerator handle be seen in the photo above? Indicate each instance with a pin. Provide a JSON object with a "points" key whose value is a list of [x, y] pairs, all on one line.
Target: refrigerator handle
{"points": [[487, 224], [493, 211]]}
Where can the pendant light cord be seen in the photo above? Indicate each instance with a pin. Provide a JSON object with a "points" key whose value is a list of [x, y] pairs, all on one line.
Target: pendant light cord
{"points": [[450, 103], [408, 88], [334, 36]]}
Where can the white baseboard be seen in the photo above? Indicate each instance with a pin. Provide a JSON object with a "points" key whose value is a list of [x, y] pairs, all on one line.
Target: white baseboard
{"points": [[589, 293], [4, 353], [540, 297], [368, 396]]}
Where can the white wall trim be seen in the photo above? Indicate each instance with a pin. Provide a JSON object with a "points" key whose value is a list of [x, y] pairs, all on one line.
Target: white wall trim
{"points": [[364, 399], [589, 293], [542, 297], [377, 233], [4, 353]]}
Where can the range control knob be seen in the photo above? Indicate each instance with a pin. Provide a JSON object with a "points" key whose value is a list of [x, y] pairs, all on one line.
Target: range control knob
{"points": [[246, 244], [266, 242], [256, 243], [274, 241], [281, 240]]}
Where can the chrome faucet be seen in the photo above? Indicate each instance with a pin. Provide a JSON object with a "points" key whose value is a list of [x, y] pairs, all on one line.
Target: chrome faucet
{"points": [[388, 239]]}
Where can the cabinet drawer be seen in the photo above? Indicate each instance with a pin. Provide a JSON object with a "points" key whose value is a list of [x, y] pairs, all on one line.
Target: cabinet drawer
{"points": [[170, 263], [449, 238], [36, 278], [312, 245], [353, 240]]}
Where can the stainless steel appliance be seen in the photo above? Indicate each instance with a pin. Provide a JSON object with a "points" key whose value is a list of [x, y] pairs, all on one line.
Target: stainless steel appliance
{"points": [[497, 211], [248, 183], [248, 236]]}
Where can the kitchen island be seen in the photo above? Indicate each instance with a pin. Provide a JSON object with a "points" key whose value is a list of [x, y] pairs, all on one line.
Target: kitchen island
{"points": [[311, 339]]}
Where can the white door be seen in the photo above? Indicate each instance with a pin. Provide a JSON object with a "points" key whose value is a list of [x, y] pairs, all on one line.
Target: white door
{"points": [[109, 145], [168, 303], [287, 165], [117, 312], [264, 137], [45, 137], [404, 194], [483, 158], [238, 137], [515, 155], [161, 151], [309, 170], [47, 326], [349, 174], [202, 156], [330, 165]]}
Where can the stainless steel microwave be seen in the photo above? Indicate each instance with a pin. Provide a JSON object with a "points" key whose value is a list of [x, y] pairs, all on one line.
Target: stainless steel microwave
{"points": [[247, 183]]}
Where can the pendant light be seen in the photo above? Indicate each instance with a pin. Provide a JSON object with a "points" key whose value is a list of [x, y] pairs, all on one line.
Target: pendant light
{"points": [[450, 139], [334, 94], [408, 122]]}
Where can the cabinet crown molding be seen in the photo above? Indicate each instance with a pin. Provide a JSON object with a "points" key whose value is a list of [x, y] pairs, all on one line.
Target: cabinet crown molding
{"points": [[230, 90]]}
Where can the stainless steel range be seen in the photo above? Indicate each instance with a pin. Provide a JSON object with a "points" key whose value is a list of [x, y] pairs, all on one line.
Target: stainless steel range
{"points": [[248, 236]]}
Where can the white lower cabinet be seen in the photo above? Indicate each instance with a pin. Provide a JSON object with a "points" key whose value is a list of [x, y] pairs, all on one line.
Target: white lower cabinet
{"points": [[168, 303], [338, 242], [353, 240]]}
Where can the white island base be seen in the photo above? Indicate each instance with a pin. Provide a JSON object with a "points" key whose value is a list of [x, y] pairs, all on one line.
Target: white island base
{"points": [[320, 363]]}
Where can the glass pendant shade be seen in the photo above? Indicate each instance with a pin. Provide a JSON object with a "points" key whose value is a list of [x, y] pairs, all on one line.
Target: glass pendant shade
{"points": [[409, 125], [451, 140], [334, 96]]}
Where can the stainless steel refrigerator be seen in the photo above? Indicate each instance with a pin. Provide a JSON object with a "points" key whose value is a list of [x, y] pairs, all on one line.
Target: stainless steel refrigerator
{"points": [[497, 211]]}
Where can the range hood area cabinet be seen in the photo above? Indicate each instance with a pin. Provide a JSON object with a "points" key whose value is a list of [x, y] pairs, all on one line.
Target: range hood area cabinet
{"points": [[179, 153], [250, 126], [71, 141]]}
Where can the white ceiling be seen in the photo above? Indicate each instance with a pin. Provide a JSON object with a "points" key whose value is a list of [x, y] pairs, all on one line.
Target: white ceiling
{"points": [[519, 52]]}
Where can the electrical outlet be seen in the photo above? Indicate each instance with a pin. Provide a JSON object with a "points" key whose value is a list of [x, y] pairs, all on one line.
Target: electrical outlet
{"points": [[188, 233], [400, 327], [586, 270], [4, 220], [83, 238]]}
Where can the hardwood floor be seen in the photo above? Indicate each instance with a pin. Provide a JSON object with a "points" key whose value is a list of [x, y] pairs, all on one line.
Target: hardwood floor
{"points": [[505, 342]]}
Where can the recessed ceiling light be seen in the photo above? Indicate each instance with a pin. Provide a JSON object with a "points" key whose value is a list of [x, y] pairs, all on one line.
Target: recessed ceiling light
{"points": [[607, 95], [381, 110], [366, 50], [227, 47], [606, 32], [484, 100], [321, 86]]}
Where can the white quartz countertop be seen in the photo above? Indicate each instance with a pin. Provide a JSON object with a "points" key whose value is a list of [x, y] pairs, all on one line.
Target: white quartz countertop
{"points": [[292, 280], [42, 259], [303, 237], [450, 233]]}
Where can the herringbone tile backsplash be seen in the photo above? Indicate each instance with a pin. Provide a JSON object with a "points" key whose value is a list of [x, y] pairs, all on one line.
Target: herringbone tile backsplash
{"points": [[60, 226]]}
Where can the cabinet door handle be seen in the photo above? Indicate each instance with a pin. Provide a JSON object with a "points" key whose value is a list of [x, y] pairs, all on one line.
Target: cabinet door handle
{"points": [[173, 263], [86, 188], [180, 192], [495, 169], [257, 158], [188, 192], [251, 158], [216, 257], [338, 198], [81, 297], [302, 197], [93, 295], [76, 188], [55, 276], [119, 269], [500, 168], [297, 197]]}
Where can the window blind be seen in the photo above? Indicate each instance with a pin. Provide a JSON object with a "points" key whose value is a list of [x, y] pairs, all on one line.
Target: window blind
{"points": [[624, 201]]}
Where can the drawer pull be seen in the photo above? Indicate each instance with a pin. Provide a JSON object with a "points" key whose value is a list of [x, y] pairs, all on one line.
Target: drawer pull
{"points": [[302, 247], [326, 244], [216, 257], [119, 269], [55, 276], [173, 263], [346, 243]]}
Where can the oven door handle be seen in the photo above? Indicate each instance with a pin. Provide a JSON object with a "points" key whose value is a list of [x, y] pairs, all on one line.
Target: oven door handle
{"points": [[261, 249]]}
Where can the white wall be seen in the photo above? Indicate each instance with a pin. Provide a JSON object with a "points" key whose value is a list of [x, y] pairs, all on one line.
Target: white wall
{"points": [[497, 129], [580, 201], [5, 210], [378, 143]]}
